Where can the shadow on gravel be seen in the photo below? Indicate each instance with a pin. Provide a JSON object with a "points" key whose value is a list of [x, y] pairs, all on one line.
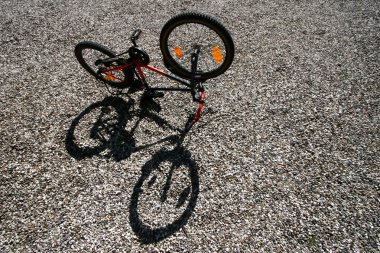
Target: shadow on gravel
{"points": [[100, 127], [175, 160], [100, 131]]}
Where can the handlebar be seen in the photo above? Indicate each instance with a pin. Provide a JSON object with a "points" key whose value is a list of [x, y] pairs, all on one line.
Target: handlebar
{"points": [[135, 35]]}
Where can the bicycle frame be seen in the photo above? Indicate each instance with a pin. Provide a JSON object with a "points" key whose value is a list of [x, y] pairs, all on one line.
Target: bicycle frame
{"points": [[192, 85], [139, 67]]}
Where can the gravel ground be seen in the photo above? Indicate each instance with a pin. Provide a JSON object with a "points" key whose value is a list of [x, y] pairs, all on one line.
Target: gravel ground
{"points": [[285, 158]]}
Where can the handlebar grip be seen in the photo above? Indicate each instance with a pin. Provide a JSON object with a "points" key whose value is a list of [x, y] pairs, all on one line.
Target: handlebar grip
{"points": [[136, 33]]}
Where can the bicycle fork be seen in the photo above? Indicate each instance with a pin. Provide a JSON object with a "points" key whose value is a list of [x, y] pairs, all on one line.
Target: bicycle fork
{"points": [[197, 88]]}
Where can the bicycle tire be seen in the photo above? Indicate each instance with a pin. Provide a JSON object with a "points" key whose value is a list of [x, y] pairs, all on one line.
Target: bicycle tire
{"points": [[119, 81], [194, 18]]}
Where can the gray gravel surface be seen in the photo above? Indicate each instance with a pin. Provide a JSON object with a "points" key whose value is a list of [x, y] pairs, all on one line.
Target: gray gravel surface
{"points": [[285, 159]]}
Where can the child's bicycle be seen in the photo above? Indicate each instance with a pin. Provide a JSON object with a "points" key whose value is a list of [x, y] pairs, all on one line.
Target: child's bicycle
{"points": [[195, 47]]}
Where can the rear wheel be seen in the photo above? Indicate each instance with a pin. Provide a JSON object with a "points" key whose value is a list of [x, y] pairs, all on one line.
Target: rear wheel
{"points": [[88, 53], [185, 32]]}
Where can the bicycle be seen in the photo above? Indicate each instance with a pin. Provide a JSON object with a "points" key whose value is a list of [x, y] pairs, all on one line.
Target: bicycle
{"points": [[195, 47]]}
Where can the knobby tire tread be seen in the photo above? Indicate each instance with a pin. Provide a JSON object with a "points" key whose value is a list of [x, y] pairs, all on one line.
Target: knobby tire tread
{"points": [[194, 17]]}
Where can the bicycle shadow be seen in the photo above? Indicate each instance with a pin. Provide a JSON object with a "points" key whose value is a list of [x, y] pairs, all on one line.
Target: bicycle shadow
{"points": [[102, 131], [104, 135], [99, 130], [180, 162]]}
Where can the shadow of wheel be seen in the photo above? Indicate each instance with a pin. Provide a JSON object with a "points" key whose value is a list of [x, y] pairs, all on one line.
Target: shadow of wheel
{"points": [[100, 127], [178, 157]]}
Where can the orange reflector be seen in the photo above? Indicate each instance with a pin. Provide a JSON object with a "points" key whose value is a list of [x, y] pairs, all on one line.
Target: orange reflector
{"points": [[110, 78], [178, 52], [217, 55]]}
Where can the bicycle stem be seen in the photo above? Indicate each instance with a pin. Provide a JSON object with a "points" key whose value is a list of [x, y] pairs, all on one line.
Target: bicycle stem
{"points": [[194, 65]]}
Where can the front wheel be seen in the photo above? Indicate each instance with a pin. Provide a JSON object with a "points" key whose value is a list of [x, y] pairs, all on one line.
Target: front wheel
{"points": [[88, 53], [183, 33]]}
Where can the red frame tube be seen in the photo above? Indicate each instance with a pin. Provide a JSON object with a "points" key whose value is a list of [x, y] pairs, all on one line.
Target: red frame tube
{"points": [[200, 107], [139, 67]]}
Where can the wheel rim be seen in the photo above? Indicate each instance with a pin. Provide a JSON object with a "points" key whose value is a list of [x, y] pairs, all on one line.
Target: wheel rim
{"points": [[184, 38]]}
